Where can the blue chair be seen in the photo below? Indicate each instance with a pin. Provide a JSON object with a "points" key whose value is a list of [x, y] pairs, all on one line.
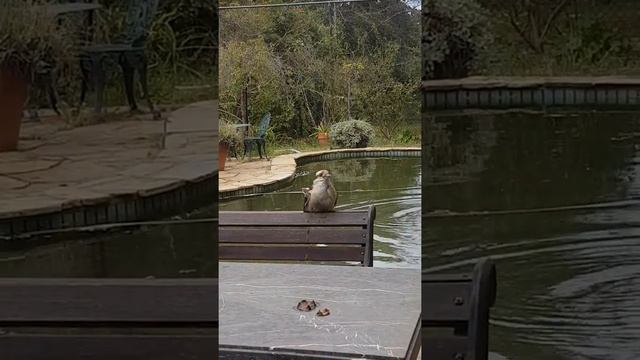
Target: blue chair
{"points": [[260, 139]]}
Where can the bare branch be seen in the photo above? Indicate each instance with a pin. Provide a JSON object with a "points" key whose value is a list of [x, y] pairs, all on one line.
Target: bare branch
{"points": [[553, 16], [513, 21]]}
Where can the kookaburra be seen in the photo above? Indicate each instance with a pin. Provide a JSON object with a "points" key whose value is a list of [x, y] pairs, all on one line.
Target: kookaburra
{"points": [[322, 197]]}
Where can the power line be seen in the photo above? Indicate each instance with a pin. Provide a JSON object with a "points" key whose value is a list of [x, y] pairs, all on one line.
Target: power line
{"points": [[303, 3]]}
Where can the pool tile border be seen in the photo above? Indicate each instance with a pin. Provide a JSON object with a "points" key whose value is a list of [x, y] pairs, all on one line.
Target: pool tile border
{"points": [[481, 92], [188, 196]]}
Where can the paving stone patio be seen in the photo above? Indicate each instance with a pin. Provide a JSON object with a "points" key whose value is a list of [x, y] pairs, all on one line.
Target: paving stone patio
{"points": [[57, 167], [241, 177]]}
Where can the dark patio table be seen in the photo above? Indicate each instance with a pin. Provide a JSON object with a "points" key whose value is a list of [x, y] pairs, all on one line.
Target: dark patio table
{"points": [[375, 312]]}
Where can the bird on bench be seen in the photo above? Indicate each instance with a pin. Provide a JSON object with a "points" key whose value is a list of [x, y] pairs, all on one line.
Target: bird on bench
{"points": [[322, 196]]}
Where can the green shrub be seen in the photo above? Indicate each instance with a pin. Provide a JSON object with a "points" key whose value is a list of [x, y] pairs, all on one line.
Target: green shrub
{"points": [[351, 134], [31, 40], [228, 134]]}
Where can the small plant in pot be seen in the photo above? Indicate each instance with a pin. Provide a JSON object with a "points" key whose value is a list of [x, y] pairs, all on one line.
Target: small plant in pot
{"points": [[30, 40], [351, 134], [321, 132], [228, 139]]}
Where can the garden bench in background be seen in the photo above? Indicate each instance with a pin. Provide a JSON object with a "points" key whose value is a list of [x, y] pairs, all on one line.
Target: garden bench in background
{"points": [[455, 313], [107, 319], [341, 237]]}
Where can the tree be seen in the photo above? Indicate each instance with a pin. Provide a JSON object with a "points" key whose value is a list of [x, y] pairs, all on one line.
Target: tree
{"points": [[533, 20], [309, 67], [453, 32]]}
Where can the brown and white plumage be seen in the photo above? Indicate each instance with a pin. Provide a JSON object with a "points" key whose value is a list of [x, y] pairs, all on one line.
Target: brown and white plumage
{"points": [[322, 196]]}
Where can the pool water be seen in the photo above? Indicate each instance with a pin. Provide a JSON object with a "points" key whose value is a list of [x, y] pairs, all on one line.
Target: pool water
{"points": [[391, 184], [162, 251], [554, 199]]}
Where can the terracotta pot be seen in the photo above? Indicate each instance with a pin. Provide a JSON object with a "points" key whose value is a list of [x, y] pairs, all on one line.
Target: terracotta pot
{"points": [[223, 151], [13, 95], [323, 138]]}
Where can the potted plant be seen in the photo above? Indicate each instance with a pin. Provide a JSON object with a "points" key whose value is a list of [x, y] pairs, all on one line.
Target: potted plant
{"points": [[228, 137], [30, 40], [322, 133]]}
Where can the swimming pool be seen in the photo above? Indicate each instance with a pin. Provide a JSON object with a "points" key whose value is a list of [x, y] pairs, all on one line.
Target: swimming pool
{"points": [[391, 184]]}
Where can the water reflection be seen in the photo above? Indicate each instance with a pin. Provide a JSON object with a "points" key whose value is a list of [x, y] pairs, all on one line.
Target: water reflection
{"points": [[555, 200], [164, 251], [392, 185]]}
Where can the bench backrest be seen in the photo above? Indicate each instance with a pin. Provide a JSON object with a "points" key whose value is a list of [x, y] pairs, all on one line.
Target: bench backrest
{"points": [[108, 319], [337, 237], [455, 313]]}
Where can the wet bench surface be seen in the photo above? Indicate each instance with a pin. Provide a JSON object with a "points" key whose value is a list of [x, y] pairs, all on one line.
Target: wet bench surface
{"points": [[375, 312]]}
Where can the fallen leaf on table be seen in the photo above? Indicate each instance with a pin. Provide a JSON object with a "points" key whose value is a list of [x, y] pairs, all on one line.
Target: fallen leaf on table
{"points": [[306, 305]]}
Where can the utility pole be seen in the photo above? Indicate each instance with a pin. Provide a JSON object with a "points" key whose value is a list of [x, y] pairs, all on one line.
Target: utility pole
{"points": [[335, 16], [349, 98]]}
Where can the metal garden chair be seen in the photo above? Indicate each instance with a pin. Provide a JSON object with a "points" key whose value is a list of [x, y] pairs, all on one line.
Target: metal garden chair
{"points": [[128, 52], [260, 140]]}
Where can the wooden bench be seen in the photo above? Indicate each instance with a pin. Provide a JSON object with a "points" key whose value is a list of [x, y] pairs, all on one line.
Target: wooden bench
{"points": [[107, 319], [339, 237], [455, 313]]}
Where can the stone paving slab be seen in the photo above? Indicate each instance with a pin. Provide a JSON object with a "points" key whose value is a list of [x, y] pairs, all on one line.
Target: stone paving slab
{"points": [[250, 175], [57, 167]]}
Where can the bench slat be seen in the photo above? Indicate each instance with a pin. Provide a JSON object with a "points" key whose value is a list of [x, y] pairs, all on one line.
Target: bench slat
{"points": [[311, 235], [445, 347], [108, 300], [292, 253], [265, 236], [460, 305], [438, 301], [121, 347], [293, 218]]}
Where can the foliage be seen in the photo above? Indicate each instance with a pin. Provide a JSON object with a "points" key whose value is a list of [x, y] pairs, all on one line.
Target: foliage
{"points": [[308, 67], [31, 39], [546, 37], [228, 134], [452, 24], [532, 20], [408, 136], [594, 44], [389, 102], [322, 128], [181, 48], [351, 134], [253, 63]]}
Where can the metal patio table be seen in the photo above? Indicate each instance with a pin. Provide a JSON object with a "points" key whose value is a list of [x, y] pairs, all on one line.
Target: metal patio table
{"points": [[374, 312]]}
